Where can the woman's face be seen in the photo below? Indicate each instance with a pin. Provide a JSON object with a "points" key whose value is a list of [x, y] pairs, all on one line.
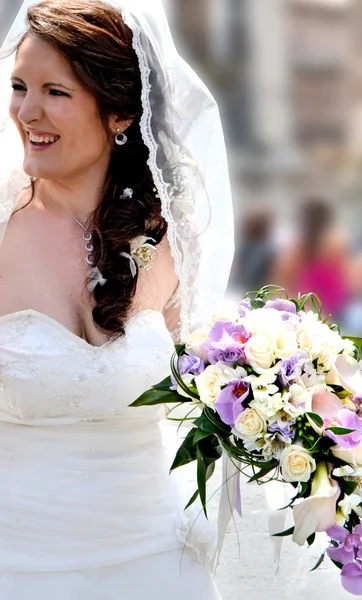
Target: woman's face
{"points": [[58, 119]]}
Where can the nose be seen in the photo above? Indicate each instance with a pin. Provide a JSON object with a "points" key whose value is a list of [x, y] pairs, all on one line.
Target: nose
{"points": [[30, 109]]}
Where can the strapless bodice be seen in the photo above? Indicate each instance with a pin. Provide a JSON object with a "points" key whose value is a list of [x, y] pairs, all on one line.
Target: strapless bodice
{"points": [[84, 477], [48, 373]]}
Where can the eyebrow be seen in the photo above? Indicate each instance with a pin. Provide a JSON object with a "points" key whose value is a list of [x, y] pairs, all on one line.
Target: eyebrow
{"points": [[46, 85]]}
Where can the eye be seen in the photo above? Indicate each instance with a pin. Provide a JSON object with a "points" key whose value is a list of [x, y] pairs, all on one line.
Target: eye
{"points": [[18, 88], [58, 93]]}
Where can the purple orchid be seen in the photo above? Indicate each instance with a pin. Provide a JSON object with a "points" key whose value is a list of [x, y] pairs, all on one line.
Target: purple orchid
{"points": [[226, 343], [349, 554], [228, 403], [188, 363], [349, 420], [244, 307], [291, 368]]}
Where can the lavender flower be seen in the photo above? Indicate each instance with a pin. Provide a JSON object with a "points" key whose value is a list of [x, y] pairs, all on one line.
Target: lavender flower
{"points": [[188, 363], [283, 427], [348, 552], [291, 368], [244, 307], [229, 401], [286, 308], [226, 343]]}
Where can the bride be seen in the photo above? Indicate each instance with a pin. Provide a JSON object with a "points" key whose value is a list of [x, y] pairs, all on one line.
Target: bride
{"points": [[116, 231]]}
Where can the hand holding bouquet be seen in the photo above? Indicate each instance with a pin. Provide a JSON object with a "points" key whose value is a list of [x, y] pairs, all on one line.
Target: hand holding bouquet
{"points": [[280, 393]]}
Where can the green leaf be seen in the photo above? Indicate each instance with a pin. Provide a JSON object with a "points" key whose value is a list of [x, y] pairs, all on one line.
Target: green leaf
{"points": [[319, 562], [310, 539], [163, 385], [256, 304], [315, 418], [348, 487], [213, 417], [285, 533], [201, 478], [154, 396], [269, 466], [340, 430], [200, 435], [180, 349], [192, 499], [186, 452]]}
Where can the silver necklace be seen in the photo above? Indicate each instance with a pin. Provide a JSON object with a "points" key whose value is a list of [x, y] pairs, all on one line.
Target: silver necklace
{"points": [[87, 236]]}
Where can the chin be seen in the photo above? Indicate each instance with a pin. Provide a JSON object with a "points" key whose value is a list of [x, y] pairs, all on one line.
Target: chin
{"points": [[39, 171]]}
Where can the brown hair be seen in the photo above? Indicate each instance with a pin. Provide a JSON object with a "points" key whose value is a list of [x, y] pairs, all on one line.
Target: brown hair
{"points": [[97, 44]]}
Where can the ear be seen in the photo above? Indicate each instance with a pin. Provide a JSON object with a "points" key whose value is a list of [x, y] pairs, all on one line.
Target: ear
{"points": [[116, 123]]}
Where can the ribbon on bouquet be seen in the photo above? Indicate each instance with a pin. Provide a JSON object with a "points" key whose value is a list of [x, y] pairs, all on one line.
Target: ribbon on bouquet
{"points": [[230, 500], [275, 499]]}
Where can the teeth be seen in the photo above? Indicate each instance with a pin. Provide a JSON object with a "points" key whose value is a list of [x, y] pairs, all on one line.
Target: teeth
{"points": [[42, 139]]}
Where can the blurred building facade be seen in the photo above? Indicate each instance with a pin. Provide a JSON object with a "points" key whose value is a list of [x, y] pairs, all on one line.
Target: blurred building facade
{"points": [[320, 53]]}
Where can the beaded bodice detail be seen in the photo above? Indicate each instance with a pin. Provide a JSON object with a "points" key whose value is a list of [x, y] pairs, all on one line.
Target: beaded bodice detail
{"points": [[84, 478]]}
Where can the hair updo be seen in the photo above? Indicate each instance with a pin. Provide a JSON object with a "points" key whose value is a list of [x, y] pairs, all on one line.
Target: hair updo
{"points": [[97, 44]]}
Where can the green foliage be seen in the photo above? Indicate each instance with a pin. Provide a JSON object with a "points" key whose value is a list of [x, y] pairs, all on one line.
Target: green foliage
{"points": [[285, 533], [315, 418]]}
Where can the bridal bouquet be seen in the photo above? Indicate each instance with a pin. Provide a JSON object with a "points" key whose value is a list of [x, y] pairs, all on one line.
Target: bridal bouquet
{"points": [[278, 390]]}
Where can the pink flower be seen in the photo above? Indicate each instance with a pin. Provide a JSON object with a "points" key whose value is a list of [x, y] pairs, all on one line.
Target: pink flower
{"points": [[318, 512]]}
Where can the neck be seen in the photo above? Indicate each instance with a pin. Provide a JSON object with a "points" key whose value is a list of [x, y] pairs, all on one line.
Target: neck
{"points": [[80, 198]]}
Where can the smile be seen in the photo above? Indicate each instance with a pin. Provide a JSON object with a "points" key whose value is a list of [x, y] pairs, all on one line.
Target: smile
{"points": [[42, 141]]}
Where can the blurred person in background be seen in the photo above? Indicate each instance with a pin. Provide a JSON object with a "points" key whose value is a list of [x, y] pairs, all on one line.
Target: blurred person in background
{"points": [[318, 260], [255, 249]]}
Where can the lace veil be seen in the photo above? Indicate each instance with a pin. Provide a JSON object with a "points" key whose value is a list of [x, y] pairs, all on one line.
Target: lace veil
{"points": [[182, 130]]}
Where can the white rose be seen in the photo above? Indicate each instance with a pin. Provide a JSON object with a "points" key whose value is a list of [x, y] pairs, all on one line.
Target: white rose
{"points": [[250, 424], [266, 321], [209, 384], [259, 352], [285, 344], [297, 464], [195, 342]]}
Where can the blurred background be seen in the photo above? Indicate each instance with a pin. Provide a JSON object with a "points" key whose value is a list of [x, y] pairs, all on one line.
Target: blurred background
{"points": [[288, 78]]}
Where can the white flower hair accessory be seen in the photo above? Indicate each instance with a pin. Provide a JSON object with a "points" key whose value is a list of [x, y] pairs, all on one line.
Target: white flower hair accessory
{"points": [[96, 278], [141, 255], [127, 193]]}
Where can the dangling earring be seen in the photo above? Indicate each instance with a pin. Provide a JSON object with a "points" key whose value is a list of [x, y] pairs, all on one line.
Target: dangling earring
{"points": [[121, 138]]}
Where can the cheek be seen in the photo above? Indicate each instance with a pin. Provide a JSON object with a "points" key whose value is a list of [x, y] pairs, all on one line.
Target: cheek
{"points": [[14, 108]]}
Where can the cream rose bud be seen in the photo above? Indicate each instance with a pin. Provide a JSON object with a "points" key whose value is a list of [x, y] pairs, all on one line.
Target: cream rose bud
{"points": [[297, 464], [259, 352], [250, 424], [195, 343], [209, 384]]}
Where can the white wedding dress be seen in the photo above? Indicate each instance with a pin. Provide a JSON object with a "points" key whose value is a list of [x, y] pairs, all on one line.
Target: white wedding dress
{"points": [[88, 510]]}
